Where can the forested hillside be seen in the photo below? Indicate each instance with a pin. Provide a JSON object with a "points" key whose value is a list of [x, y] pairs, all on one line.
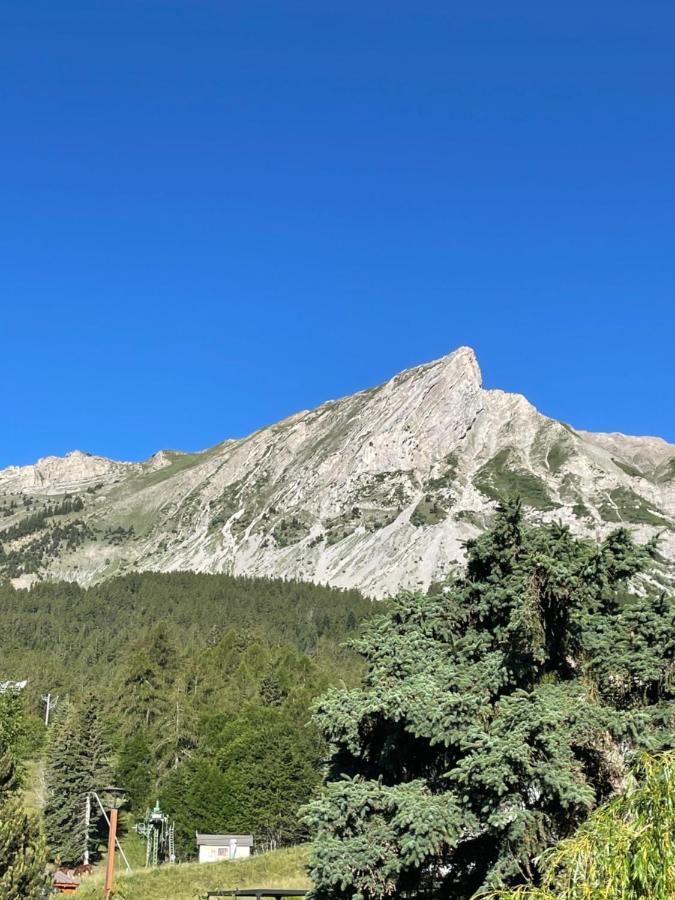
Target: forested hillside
{"points": [[461, 736], [199, 685]]}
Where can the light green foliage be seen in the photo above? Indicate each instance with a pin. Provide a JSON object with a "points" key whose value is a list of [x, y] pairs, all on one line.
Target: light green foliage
{"points": [[502, 477], [177, 462], [22, 853], [494, 716], [627, 468], [665, 473], [551, 448], [624, 505], [428, 511], [558, 454], [624, 851]]}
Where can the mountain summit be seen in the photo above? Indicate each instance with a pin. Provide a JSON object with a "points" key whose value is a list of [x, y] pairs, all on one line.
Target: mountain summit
{"points": [[378, 490]]}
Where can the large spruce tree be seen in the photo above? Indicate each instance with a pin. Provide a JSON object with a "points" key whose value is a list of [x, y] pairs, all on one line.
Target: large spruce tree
{"points": [[78, 763], [22, 852], [494, 715]]}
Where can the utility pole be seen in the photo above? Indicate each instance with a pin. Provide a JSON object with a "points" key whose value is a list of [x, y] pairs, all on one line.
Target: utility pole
{"points": [[87, 821], [110, 862], [117, 798], [50, 704]]}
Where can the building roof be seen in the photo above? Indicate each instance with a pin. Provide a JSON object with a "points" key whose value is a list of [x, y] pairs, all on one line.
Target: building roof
{"points": [[61, 877], [12, 685], [223, 840]]}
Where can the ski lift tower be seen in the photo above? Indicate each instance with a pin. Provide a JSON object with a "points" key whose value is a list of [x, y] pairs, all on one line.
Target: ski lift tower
{"points": [[158, 832]]}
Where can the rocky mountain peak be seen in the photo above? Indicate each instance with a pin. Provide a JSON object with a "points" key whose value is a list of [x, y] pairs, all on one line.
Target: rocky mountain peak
{"points": [[464, 361], [459, 365], [378, 490], [59, 474]]}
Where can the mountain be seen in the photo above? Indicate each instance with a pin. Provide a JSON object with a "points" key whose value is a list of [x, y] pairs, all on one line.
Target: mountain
{"points": [[378, 490]]}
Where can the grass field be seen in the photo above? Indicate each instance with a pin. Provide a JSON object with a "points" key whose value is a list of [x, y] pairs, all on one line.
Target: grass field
{"points": [[191, 881]]}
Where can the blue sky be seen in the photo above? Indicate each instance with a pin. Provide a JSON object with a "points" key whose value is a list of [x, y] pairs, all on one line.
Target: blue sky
{"points": [[217, 212]]}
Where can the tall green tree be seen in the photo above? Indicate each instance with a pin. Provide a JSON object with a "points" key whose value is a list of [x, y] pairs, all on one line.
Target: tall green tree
{"points": [[494, 715], [78, 764], [12, 739], [22, 851], [134, 770], [252, 775]]}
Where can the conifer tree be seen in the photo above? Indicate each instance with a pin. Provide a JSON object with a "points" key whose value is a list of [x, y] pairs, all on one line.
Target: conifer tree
{"points": [[22, 852], [11, 734], [134, 770], [77, 765], [494, 716]]}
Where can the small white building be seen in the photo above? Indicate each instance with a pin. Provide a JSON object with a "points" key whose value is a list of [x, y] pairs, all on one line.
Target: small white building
{"points": [[12, 686], [214, 847]]}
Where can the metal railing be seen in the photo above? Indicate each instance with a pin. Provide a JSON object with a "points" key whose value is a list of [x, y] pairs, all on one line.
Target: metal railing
{"points": [[276, 893]]}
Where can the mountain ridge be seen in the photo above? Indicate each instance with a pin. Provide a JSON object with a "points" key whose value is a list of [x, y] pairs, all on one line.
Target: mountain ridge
{"points": [[376, 490]]}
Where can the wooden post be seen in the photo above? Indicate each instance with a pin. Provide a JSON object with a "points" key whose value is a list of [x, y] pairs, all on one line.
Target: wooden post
{"points": [[110, 867]]}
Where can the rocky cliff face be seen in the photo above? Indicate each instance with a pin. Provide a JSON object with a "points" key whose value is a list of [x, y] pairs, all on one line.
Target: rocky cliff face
{"points": [[378, 490]]}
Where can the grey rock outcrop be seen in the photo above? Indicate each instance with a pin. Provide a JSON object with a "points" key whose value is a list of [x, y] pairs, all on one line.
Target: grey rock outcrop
{"points": [[377, 490]]}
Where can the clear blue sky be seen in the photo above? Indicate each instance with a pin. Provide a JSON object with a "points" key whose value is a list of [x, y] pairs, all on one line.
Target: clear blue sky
{"points": [[217, 212]]}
